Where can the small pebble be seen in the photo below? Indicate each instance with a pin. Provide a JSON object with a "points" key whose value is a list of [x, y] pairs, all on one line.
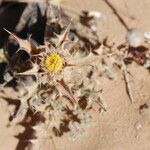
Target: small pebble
{"points": [[135, 37], [138, 126], [96, 14], [147, 35]]}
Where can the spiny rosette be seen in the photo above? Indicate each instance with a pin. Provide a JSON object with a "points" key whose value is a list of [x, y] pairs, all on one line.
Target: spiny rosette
{"points": [[55, 93]]}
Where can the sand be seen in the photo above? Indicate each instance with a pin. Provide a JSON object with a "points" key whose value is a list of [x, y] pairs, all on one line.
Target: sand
{"points": [[122, 127]]}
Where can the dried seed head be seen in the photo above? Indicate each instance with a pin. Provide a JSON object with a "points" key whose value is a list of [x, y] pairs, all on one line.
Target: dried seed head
{"points": [[53, 62]]}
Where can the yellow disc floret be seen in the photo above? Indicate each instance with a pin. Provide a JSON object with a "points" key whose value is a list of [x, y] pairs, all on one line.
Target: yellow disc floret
{"points": [[53, 62]]}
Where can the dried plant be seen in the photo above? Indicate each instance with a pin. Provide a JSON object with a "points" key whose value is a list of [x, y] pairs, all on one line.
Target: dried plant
{"points": [[51, 82]]}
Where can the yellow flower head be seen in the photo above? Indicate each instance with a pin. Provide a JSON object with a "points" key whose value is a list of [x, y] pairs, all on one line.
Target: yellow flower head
{"points": [[53, 62]]}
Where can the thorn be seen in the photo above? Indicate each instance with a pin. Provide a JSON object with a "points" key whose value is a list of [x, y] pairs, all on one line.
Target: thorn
{"points": [[63, 37], [14, 36], [7, 31]]}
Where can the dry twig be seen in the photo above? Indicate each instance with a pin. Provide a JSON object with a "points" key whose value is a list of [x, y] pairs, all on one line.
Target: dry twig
{"points": [[127, 81]]}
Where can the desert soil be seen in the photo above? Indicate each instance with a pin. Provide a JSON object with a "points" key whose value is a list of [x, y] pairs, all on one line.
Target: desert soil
{"points": [[122, 127]]}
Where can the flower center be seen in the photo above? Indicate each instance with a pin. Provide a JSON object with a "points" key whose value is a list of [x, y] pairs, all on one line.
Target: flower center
{"points": [[53, 62]]}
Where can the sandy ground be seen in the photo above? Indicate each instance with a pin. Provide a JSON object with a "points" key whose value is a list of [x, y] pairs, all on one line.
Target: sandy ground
{"points": [[122, 127]]}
